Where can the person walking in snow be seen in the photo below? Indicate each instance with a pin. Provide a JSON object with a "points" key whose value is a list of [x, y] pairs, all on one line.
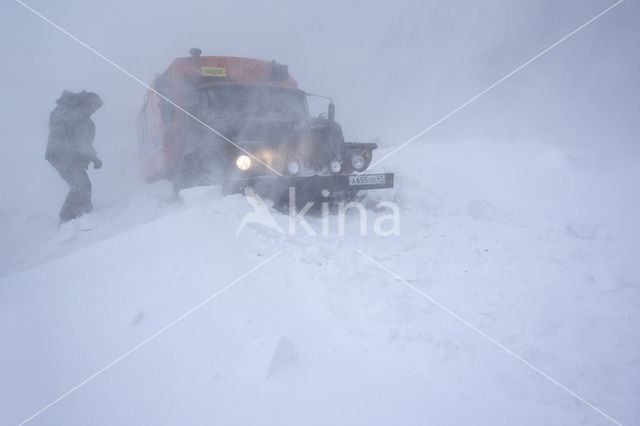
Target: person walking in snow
{"points": [[70, 148]]}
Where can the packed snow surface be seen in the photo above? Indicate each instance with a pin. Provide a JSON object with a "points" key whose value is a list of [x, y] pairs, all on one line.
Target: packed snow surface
{"points": [[534, 246]]}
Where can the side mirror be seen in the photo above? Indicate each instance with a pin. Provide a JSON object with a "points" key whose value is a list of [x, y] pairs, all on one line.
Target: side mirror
{"points": [[332, 112]]}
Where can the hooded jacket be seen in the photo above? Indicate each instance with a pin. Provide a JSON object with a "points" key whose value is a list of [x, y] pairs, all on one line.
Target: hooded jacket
{"points": [[71, 130]]}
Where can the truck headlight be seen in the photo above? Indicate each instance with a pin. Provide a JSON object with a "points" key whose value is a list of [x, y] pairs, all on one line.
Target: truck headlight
{"points": [[357, 161], [243, 162], [335, 166], [293, 167]]}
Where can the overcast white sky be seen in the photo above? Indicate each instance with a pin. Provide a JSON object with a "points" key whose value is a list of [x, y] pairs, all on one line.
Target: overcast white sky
{"points": [[393, 68]]}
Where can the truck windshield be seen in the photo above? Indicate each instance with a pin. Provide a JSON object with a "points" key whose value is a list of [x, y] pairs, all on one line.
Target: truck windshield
{"points": [[239, 100]]}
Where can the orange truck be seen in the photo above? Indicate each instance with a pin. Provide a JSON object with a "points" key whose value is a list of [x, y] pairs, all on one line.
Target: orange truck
{"points": [[242, 122]]}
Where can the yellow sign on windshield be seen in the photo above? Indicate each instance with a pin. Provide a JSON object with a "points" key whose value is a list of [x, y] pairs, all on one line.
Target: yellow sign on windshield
{"points": [[214, 71]]}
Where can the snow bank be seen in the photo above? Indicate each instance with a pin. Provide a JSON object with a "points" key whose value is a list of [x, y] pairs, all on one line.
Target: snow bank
{"points": [[537, 247]]}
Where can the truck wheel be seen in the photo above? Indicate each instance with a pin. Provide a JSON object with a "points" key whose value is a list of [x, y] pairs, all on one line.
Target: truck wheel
{"points": [[191, 173]]}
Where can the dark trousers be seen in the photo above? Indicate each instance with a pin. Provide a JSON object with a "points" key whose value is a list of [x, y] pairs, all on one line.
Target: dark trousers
{"points": [[78, 200]]}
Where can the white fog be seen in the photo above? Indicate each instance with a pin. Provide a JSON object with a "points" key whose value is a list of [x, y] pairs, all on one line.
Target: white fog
{"points": [[484, 272]]}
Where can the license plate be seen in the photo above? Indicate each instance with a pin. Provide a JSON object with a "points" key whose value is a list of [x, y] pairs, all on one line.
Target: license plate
{"points": [[356, 180]]}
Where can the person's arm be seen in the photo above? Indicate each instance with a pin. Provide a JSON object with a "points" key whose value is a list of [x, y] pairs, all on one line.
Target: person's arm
{"points": [[97, 163], [86, 138]]}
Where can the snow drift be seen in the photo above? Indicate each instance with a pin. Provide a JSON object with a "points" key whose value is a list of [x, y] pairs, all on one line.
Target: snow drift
{"points": [[535, 246]]}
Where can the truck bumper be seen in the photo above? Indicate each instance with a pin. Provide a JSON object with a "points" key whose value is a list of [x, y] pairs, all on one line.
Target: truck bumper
{"points": [[312, 186]]}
